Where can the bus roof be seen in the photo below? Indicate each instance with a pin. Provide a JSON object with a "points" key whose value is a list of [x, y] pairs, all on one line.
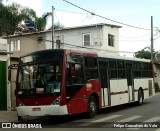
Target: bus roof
{"points": [[122, 58], [89, 53]]}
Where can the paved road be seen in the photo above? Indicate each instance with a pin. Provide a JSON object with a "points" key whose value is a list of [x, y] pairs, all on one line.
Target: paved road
{"points": [[120, 116]]}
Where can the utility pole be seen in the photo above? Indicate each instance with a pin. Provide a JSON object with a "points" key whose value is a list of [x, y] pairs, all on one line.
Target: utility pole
{"points": [[53, 27], [152, 58]]}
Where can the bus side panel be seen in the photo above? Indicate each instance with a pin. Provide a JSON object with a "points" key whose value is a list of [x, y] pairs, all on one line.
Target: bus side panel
{"points": [[119, 92], [145, 84], [79, 102], [76, 106]]}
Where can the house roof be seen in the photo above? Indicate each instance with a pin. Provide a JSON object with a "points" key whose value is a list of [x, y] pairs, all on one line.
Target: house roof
{"points": [[5, 53], [66, 28]]}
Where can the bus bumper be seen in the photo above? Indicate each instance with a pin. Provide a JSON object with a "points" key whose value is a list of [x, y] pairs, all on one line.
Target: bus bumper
{"points": [[50, 110]]}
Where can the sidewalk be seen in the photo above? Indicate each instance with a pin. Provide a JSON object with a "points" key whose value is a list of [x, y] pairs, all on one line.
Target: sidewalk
{"points": [[8, 116], [11, 116]]}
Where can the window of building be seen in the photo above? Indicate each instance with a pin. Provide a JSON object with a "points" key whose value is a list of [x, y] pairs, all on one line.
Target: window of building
{"points": [[86, 39], [14, 45], [58, 44], [39, 40], [111, 40]]}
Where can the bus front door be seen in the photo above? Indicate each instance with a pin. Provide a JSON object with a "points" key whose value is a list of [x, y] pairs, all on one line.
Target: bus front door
{"points": [[103, 66]]}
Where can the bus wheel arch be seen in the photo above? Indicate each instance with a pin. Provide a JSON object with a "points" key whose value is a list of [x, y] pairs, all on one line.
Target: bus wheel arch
{"points": [[93, 105], [140, 96]]}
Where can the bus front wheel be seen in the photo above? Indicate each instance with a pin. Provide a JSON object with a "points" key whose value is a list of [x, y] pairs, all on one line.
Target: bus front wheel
{"points": [[92, 106]]}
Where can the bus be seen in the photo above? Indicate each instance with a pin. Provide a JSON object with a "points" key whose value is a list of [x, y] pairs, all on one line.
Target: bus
{"points": [[64, 82]]}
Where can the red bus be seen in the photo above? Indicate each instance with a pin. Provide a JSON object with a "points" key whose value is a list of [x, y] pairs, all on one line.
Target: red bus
{"points": [[65, 82]]}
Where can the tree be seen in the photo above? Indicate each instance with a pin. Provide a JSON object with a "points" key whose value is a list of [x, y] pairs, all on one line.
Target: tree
{"points": [[58, 25], [146, 54], [40, 22], [10, 17]]}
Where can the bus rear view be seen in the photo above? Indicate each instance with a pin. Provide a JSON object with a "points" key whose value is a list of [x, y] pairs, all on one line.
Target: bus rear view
{"points": [[39, 82]]}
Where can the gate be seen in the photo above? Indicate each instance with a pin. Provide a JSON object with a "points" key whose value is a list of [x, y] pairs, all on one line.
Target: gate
{"points": [[3, 86]]}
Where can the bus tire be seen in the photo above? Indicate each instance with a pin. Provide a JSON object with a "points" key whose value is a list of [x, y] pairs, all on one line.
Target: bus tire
{"points": [[92, 106], [140, 98]]}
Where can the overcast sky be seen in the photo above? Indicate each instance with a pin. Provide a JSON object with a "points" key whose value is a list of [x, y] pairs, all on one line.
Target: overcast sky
{"points": [[133, 12]]}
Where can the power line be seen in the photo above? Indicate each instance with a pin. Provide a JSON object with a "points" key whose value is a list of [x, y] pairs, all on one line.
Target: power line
{"points": [[137, 37], [92, 13], [71, 12]]}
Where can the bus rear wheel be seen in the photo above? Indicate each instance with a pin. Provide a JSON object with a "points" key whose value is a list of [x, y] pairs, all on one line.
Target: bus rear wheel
{"points": [[92, 106], [140, 98]]}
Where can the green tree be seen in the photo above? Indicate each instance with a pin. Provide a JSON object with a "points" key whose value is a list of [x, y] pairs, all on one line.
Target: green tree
{"points": [[58, 25], [40, 22], [145, 53], [10, 17]]}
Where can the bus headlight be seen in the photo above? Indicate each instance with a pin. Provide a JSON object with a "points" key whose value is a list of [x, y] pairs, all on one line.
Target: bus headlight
{"points": [[19, 103]]}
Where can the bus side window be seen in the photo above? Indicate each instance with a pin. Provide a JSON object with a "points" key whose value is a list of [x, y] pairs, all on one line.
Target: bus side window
{"points": [[74, 78], [91, 68], [113, 69], [75, 74]]}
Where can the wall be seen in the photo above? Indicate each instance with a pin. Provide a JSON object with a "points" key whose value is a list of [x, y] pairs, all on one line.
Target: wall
{"points": [[113, 31], [28, 44], [75, 37]]}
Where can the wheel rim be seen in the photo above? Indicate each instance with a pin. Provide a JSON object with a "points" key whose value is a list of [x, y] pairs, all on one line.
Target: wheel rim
{"points": [[140, 98], [92, 106]]}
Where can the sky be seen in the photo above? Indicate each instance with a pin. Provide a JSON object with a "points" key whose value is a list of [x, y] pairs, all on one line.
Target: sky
{"points": [[132, 12]]}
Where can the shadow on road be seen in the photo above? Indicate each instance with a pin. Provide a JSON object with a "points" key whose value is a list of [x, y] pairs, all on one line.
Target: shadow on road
{"points": [[60, 121]]}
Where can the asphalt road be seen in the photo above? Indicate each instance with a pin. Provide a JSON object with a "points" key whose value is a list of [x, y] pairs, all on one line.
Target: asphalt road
{"points": [[128, 117]]}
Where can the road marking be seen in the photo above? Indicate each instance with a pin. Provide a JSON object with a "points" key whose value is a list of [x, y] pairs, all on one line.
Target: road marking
{"points": [[126, 119], [129, 119], [107, 118], [100, 120], [154, 119]]}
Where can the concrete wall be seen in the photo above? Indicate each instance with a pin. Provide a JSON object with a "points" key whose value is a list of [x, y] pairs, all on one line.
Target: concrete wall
{"points": [[114, 31], [75, 37], [28, 44], [99, 38]]}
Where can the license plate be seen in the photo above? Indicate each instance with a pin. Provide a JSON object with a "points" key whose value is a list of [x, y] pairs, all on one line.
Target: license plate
{"points": [[36, 109]]}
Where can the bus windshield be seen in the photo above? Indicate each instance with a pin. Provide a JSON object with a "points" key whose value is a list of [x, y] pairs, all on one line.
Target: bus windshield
{"points": [[39, 79]]}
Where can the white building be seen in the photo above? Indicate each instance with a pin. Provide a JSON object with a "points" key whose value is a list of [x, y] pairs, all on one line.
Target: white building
{"points": [[104, 37]]}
